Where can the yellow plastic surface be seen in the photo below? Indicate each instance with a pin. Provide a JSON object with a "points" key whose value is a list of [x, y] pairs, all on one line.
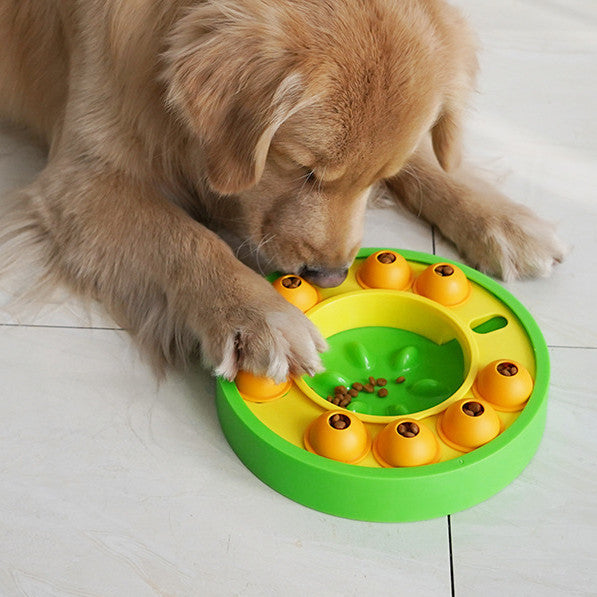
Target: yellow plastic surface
{"points": [[349, 305]]}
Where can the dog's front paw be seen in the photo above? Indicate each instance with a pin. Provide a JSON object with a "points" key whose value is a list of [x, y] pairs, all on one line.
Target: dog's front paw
{"points": [[264, 335], [513, 244]]}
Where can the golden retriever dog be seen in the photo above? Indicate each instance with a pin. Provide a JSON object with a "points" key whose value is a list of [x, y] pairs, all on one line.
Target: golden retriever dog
{"points": [[172, 125]]}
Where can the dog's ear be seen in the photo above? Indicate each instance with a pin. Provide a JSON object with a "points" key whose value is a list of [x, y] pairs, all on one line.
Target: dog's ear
{"points": [[234, 90], [446, 137]]}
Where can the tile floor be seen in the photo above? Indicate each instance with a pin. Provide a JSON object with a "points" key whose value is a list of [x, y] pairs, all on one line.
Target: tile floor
{"points": [[112, 484]]}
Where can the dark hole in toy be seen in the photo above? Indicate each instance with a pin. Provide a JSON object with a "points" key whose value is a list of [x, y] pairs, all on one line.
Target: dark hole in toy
{"points": [[291, 282], [507, 369], [473, 409], [444, 270], [339, 421], [386, 258], [408, 429]]}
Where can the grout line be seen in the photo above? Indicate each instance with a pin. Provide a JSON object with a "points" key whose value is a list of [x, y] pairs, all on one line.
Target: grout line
{"points": [[572, 347], [59, 327], [452, 588]]}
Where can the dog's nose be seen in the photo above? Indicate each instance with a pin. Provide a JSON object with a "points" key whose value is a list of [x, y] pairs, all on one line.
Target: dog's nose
{"points": [[323, 276]]}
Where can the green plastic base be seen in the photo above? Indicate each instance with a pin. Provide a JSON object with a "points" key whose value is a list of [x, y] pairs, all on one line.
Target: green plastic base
{"points": [[394, 494]]}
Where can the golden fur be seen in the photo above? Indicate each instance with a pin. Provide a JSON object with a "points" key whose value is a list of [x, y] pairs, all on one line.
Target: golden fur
{"points": [[172, 124]]}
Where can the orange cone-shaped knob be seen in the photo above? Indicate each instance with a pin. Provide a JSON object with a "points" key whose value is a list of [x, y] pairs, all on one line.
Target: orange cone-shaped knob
{"points": [[468, 424], [256, 388], [444, 283], [385, 269], [506, 384], [297, 291], [405, 442], [339, 435]]}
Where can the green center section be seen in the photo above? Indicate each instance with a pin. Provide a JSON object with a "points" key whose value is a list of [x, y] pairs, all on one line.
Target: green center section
{"points": [[431, 372]]}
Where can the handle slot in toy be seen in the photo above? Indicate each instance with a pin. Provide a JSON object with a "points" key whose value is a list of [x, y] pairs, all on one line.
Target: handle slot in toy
{"points": [[486, 325]]}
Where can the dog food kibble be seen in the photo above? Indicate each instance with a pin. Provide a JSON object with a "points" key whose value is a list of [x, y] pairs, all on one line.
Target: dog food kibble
{"points": [[381, 381], [444, 270], [345, 401], [400, 379], [382, 393], [340, 390], [291, 282], [336, 400], [386, 258], [352, 392], [339, 421], [357, 386], [473, 409], [507, 369], [372, 380], [408, 429], [369, 388]]}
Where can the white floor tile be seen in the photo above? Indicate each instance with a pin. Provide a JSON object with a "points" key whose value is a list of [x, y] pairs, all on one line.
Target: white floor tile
{"points": [[115, 485], [538, 537]]}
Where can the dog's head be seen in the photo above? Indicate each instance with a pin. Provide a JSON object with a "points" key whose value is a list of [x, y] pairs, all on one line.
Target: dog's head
{"points": [[301, 108]]}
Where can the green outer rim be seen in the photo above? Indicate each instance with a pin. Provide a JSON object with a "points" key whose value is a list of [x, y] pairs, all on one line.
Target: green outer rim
{"points": [[397, 494]]}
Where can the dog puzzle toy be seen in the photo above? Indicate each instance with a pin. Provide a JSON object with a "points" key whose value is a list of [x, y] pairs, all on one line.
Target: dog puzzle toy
{"points": [[433, 397]]}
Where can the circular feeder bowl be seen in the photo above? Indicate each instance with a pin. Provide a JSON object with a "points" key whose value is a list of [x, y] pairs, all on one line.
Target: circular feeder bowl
{"points": [[385, 269], [463, 438], [392, 334]]}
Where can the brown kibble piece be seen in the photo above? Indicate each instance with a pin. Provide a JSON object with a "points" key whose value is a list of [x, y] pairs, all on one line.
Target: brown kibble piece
{"points": [[444, 270], [329, 398], [369, 388], [381, 381], [291, 282], [337, 399], [386, 258], [372, 380], [473, 409], [408, 429], [357, 386], [340, 390], [352, 392], [344, 403], [382, 393], [507, 369], [339, 421], [400, 379]]}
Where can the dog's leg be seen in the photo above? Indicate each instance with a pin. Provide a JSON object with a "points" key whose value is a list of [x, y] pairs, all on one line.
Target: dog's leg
{"points": [[165, 276], [493, 234]]}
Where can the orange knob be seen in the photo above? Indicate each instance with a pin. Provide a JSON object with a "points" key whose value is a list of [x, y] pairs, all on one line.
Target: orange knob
{"points": [[256, 388], [444, 283], [507, 385], [405, 442], [385, 269], [339, 435], [468, 424], [297, 291]]}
